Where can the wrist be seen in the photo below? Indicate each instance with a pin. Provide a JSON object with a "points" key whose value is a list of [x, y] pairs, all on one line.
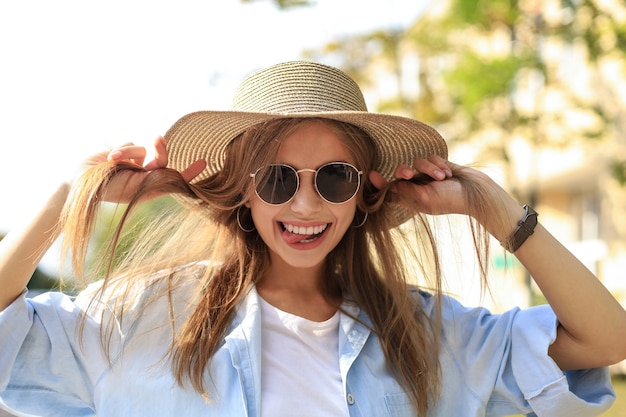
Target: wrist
{"points": [[525, 228]]}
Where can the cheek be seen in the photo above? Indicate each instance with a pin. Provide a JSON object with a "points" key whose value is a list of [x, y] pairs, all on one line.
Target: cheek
{"points": [[345, 215], [264, 217], [261, 212]]}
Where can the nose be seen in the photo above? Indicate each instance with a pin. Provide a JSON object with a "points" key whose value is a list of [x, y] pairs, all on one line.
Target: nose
{"points": [[306, 201]]}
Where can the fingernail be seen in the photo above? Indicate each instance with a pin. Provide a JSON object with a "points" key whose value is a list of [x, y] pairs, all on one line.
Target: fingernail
{"points": [[115, 155], [408, 172], [440, 175]]}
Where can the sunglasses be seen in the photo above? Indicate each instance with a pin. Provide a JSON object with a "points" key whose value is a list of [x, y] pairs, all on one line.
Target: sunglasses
{"points": [[335, 182]]}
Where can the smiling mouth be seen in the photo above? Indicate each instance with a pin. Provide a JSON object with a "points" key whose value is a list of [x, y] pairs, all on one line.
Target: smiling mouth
{"points": [[302, 234]]}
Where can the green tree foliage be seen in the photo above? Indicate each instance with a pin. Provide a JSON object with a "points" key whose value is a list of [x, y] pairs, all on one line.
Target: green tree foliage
{"points": [[42, 280], [99, 259], [485, 13], [494, 68]]}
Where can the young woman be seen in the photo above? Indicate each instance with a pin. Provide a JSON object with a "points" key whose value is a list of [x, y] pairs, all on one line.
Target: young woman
{"points": [[281, 287]]}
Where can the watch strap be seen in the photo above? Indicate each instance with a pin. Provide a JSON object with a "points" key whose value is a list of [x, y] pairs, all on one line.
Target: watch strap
{"points": [[525, 228]]}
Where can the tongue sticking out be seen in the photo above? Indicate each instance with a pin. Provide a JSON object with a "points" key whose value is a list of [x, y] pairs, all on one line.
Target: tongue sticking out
{"points": [[295, 238]]}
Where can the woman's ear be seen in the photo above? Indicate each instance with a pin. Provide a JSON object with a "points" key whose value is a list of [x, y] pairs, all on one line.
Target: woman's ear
{"points": [[241, 198]]}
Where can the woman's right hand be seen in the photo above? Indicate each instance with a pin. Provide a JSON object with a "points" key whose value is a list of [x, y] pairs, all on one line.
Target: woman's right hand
{"points": [[123, 185], [22, 249]]}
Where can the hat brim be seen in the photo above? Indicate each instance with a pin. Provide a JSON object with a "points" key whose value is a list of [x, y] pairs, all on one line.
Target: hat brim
{"points": [[206, 134]]}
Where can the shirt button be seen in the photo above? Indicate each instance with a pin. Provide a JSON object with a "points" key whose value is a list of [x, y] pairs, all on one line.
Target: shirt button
{"points": [[350, 399]]}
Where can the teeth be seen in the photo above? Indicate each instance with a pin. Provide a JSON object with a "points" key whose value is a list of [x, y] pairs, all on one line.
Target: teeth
{"points": [[301, 230]]}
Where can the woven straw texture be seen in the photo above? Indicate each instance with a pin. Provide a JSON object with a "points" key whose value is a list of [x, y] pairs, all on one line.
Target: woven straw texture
{"points": [[298, 89]]}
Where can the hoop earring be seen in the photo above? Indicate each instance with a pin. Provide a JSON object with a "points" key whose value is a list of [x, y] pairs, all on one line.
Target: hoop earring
{"points": [[362, 221], [250, 230]]}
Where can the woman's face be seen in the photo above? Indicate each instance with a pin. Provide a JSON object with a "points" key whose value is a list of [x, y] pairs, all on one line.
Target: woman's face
{"points": [[303, 231]]}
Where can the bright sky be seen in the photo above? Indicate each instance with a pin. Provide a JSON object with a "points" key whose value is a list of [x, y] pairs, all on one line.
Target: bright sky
{"points": [[77, 76]]}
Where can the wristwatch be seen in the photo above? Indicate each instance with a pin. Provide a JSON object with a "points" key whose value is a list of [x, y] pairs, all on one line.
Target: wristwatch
{"points": [[525, 228]]}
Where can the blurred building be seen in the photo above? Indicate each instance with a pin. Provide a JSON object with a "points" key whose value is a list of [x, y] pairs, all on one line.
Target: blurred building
{"points": [[584, 206], [561, 127]]}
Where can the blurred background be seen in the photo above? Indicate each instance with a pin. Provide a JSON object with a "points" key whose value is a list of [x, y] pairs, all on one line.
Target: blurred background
{"points": [[533, 92]]}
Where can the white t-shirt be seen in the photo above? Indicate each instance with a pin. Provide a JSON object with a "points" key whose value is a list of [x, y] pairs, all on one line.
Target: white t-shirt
{"points": [[300, 366]]}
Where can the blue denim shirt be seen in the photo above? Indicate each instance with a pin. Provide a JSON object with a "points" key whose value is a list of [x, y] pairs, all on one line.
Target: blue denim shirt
{"points": [[492, 365]]}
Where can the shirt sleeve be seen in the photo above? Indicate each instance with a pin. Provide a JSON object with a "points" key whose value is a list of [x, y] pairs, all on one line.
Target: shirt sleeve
{"points": [[45, 369], [549, 390], [504, 360]]}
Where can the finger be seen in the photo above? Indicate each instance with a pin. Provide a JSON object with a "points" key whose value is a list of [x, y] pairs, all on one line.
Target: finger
{"points": [[114, 151], [443, 164], [160, 155], [431, 167], [404, 172], [377, 180], [193, 170], [96, 158], [135, 154]]}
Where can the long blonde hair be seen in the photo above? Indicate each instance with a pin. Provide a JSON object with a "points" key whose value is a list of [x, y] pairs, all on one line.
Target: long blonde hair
{"points": [[367, 266]]}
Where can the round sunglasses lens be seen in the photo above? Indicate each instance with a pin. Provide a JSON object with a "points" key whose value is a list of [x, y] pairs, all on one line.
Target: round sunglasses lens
{"points": [[338, 182], [276, 184]]}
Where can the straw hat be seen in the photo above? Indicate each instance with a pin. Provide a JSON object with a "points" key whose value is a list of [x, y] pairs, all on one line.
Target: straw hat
{"points": [[298, 89]]}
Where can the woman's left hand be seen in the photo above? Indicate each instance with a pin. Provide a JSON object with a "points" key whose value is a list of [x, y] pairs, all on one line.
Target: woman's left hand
{"points": [[592, 324], [441, 194]]}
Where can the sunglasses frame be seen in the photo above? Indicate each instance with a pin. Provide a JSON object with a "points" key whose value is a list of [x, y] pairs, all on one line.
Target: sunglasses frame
{"points": [[315, 171]]}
